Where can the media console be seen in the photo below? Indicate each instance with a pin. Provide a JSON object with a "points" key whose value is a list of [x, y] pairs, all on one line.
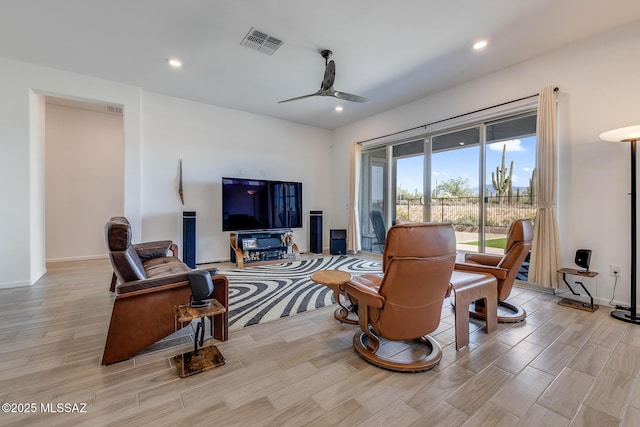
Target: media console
{"points": [[262, 247]]}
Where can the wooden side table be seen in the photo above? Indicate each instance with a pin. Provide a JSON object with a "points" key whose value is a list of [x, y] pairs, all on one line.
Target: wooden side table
{"points": [[201, 358], [574, 303], [335, 280]]}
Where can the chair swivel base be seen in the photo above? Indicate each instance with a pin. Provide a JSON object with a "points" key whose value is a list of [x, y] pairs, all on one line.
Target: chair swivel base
{"points": [[412, 356], [342, 314], [511, 314]]}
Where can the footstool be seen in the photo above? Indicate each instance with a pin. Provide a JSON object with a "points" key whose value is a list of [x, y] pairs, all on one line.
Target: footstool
{"points": [[469, 287]]}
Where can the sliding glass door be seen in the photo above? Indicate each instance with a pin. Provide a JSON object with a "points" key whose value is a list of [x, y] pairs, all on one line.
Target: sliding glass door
{"points": [[479, 178]]}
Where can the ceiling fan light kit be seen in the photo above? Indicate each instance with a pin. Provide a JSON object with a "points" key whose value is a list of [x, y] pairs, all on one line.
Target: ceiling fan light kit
{"points": [[326, 88]]}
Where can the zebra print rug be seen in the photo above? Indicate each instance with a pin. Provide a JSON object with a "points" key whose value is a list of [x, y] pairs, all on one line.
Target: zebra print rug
{"points": [[264, 293]]}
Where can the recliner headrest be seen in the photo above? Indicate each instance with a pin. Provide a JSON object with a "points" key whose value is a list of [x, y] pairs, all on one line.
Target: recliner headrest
{"points": [[419, 239], [520, 230], [118, 233]]}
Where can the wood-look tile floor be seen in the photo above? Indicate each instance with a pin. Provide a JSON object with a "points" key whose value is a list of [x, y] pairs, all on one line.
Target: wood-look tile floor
{"points": [[560, 367]]}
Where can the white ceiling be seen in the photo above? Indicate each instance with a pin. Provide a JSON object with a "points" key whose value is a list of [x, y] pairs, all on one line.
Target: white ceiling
{"points": [[391, 52]]}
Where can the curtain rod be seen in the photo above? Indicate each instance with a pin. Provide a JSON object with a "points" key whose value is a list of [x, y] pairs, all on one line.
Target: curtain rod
{"points": [[555, 89]]}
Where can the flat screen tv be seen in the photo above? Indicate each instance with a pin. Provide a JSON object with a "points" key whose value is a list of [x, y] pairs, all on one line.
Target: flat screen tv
{"points": [[253, 204]]}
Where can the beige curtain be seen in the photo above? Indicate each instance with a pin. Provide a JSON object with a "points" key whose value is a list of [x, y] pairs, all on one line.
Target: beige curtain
{"points": [[543, 269], [353, 229]]}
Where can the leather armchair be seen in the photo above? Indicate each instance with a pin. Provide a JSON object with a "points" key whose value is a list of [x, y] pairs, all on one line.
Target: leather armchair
{"points": [[127, 258], [151, 284], [504, 268], [405, 304]]}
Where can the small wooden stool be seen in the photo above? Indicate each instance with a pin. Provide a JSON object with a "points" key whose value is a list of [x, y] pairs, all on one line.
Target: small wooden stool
{"points": [[201, 358], [335, 280], [469, 287]]}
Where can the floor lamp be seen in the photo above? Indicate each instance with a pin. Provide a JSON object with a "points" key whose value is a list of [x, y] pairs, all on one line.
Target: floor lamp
{"points": [[629, 134]]}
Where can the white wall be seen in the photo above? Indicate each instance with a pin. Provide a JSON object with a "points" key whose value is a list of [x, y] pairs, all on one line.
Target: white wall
{"points": [[36, 224], [158, 130], [599, 91], [214, 142], [84, 180], [22, 226]]}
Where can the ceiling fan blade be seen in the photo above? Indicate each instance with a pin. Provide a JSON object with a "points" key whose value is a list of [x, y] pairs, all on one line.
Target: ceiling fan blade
{"points": [[300, 97], [326, 88], [329, 76], [349, 97]]}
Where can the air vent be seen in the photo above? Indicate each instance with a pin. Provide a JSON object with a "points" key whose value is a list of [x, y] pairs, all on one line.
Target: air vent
{"points": [[261, 42], [113, 109]]}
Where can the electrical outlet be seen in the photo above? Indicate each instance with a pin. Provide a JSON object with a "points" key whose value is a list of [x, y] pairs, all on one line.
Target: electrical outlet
{"points": [[614, 270]]}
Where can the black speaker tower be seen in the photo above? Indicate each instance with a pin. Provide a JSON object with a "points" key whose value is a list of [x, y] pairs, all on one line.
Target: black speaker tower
{"points": [[189, 238], [315, 232]]}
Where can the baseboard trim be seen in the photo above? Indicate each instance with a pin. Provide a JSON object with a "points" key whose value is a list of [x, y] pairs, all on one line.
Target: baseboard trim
{"points": [[78, 258], [534, 287], [16, 284], [213, 261], [604, 303]]}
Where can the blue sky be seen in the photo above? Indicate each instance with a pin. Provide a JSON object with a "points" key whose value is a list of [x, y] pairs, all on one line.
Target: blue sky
{"points": [[464, 163]]}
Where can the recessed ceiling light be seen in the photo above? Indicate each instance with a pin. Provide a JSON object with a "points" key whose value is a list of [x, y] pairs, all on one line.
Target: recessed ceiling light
{"points": [[339, 108], [174, 62], [480, 44]]}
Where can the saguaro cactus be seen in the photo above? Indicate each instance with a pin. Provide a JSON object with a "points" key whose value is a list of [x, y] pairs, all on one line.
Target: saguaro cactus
{"points": [[500, 180], [532, 187]]}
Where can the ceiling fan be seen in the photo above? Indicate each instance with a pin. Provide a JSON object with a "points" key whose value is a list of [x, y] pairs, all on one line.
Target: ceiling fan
{"points": [[326, 88]]}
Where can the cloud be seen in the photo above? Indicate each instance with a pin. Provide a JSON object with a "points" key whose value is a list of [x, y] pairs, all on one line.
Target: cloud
{"points": [[512, 145], [526, 169], [444, 174]]}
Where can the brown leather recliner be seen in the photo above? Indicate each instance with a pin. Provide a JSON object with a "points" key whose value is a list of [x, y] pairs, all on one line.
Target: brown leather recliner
{"points": [[405, 303], [505, 269], [151, 285], [127, 258]]}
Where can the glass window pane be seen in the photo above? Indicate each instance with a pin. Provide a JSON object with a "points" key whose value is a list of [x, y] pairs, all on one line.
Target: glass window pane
{"points": [[373, 193], [455, 140], [455, 174], [408, 149], [510, 158], [517, 127], [510, 173], [410, 187]]}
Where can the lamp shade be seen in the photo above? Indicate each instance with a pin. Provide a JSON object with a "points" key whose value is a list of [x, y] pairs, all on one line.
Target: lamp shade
{"points": [[626, 134]]}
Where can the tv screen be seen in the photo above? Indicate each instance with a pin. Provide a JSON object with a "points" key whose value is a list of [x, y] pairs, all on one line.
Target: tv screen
{"points": [[251, 204]]}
